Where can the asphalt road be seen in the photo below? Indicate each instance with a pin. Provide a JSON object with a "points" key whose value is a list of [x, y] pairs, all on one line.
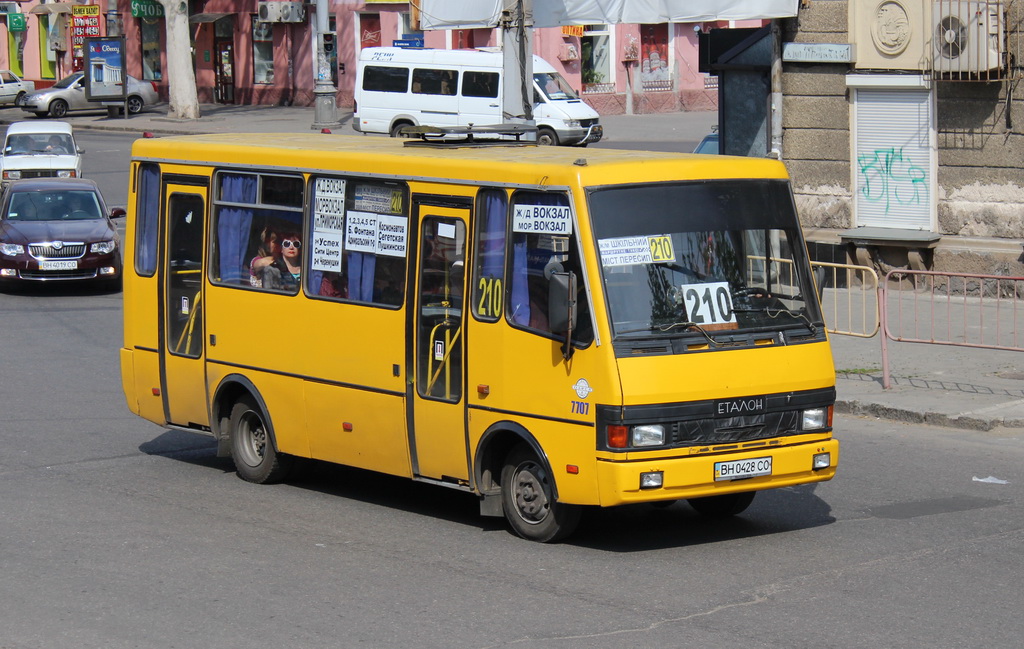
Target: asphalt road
{"points": [[116, 533]]}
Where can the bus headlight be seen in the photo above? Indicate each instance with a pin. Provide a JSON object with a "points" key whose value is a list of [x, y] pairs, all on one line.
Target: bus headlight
{"points": [[651, 435], [816, 418], [821, 461], [652, 480]]}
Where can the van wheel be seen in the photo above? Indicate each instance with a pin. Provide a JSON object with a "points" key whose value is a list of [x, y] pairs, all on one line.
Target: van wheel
{"points": [[546, 137], [528, 501], [252, 447], [397, 128], [722, 506]]}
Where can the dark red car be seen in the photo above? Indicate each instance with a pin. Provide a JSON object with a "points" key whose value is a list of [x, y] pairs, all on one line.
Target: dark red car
{"points": [[58, 229]]}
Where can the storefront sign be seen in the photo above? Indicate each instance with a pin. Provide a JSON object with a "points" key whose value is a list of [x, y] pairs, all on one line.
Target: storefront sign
{"points": [[16, 22], [85, 23], [147, 9], [572, 30]]}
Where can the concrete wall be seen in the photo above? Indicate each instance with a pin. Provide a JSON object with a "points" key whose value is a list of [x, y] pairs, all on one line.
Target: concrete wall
{"points": [[980, 140]]}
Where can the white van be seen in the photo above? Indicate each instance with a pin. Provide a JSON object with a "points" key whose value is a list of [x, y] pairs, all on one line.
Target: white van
{"points": [[398, 87]]}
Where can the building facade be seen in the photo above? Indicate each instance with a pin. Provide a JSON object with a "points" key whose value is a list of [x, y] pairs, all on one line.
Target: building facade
{"points": [[256, 52]]}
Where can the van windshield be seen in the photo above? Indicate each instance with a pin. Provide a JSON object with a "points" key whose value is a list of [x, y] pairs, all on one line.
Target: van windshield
{"points": [[713, 261], [554, 87]]}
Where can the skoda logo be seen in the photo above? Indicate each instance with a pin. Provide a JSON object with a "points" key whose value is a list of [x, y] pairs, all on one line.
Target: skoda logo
{"points": [[57, 245]]}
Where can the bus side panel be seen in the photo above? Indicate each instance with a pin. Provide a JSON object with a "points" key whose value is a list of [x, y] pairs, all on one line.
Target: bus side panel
{"points": [[531, 384], [376, 438], [140, 379]]}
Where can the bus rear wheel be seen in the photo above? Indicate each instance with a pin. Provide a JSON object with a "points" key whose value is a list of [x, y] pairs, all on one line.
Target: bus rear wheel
{"points": [[527, 498], [252, 447], [722, 506]]}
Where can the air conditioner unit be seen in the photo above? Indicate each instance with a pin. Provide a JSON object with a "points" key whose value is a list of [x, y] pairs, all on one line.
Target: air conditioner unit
{"points": [[281, 12], [967, 36]]}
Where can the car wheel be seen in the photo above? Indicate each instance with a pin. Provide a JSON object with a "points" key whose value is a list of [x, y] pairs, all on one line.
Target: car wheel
{"points": [[546, 137], [527, 497], [252, 446], [135, 105], [58, 108], [20, 99]]}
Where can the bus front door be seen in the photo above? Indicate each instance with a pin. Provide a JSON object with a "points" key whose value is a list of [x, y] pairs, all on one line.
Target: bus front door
{"points": [[438, 437], [183, 375]]}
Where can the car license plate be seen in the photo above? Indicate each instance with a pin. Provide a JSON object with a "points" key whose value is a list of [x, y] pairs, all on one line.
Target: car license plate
{"points": [[739, 469], [71, 264]]}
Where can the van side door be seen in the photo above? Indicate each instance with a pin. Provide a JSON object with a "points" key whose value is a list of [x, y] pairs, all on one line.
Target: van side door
{"points": [[480, 98], [434, 92]]}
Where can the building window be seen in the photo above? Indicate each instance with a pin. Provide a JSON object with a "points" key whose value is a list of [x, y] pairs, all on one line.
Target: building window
{"points": [[262, 52], [597, 60], [150, 29]]}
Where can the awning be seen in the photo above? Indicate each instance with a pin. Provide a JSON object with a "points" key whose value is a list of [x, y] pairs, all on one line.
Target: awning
{"points": [[52, 8], [208, 18]]}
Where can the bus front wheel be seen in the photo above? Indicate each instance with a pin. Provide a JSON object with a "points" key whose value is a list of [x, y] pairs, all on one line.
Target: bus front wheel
{"points": [[722, 506], [252, 447], [527, 498]]}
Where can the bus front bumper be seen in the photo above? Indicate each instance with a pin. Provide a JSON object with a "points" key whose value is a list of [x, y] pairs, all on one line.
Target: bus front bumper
{"points": [[696, 476]]}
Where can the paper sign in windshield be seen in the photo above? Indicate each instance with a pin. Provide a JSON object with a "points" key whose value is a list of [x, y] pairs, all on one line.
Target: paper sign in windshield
{"points": [[378, 234], [328, 224], [708, 304], [542, 219], [628, 251]]}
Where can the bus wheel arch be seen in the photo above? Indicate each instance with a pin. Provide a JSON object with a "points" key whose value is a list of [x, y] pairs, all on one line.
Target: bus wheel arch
{"points": [[246, 433], [512, 466]]}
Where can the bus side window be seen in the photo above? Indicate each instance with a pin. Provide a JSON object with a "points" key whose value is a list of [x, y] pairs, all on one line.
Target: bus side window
{"points": [[488, 288]]}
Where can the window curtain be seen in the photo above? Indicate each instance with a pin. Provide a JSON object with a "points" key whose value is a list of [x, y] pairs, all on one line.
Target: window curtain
{"points": [[234, 224], [147, 216], [361, 268], [492, 236]]}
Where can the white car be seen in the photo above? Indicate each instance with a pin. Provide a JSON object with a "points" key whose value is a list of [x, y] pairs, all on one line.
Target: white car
{"points": [[13, 88], [40, 150]]}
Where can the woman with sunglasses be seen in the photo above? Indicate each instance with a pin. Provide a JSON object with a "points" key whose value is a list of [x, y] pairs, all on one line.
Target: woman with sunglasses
{"points": [[281, 270]]}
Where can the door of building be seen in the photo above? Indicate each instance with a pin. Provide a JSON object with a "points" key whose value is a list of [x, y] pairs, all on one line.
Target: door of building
{"points": [[224, 72]]}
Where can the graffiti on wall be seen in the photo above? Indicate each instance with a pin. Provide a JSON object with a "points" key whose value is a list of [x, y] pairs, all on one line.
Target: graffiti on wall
{"points": [[889, 177]]}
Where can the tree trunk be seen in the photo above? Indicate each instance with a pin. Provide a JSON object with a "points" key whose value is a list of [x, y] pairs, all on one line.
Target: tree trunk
{"points": [[181, 77]]}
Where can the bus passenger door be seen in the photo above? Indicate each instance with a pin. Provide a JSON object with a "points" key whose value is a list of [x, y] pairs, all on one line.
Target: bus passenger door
{"points": [[183, 374], [438, 442]]}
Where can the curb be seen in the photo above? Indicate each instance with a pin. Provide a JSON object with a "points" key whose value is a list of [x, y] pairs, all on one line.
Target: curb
{"points": [[903, 415]]}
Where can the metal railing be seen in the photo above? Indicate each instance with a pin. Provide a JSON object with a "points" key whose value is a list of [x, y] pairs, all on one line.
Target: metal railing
{"points": [[850, 306], [958, 309]]}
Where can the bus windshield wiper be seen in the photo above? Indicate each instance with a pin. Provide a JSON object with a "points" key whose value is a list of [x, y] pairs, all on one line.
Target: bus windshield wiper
{"points": [[774, 313], [665, 328]]}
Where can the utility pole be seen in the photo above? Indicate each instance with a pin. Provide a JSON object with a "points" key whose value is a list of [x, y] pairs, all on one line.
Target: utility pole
{"points": [[325, 111], [517, 74]]}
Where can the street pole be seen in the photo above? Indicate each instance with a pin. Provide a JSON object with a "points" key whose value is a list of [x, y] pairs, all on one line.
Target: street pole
{"points": [[517, 62], [325, 108]]}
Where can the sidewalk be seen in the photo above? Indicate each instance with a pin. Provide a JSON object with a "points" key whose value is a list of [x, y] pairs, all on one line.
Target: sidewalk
{"points": [[970, 388]]}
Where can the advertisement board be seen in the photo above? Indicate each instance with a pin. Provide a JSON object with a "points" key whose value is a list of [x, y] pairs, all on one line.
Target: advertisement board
{"points": [[104, 69]]}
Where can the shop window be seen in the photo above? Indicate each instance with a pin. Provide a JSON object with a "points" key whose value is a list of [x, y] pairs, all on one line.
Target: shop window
{"points": [[262, 52], [597, 59], [150, 29], [654, 67]]}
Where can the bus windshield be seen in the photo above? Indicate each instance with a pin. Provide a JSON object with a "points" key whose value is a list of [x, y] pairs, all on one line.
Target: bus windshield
{"points": [[717, 261]]}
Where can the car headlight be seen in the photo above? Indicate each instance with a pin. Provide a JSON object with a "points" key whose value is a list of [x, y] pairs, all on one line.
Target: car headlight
{"points": [[65, 173], [12, 249], [104, 247], [13, 174]]}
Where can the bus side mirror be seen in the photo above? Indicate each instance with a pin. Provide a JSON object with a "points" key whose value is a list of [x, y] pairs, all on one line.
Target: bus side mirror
{"points": [[562, 307]]}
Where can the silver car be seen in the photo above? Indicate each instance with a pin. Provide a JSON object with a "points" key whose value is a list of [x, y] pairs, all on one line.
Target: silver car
{"points": [[69, 94]]}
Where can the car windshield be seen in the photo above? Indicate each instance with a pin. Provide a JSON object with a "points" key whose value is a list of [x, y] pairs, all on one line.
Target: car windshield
{"points": [[716, 260], [68, 81], [39, 144], [58, 205], [553, 86]]}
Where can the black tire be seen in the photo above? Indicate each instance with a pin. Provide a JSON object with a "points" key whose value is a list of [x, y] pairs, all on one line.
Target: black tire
{"points": [[252, 446], [20, 99], [396, 129], [528, 500], [135, 105], [546, 137], [58, 108], [722, 506]]}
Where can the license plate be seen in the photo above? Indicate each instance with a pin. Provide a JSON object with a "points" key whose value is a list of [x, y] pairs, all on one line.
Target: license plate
{"points": [[71, 264], [739, 469]]}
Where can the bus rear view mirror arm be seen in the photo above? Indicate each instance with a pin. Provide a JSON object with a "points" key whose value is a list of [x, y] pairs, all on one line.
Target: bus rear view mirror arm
{"points": [[562, 308]]}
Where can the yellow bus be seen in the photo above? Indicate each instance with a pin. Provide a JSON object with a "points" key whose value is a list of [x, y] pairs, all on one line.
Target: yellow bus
{"points": [[548, 329]]}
